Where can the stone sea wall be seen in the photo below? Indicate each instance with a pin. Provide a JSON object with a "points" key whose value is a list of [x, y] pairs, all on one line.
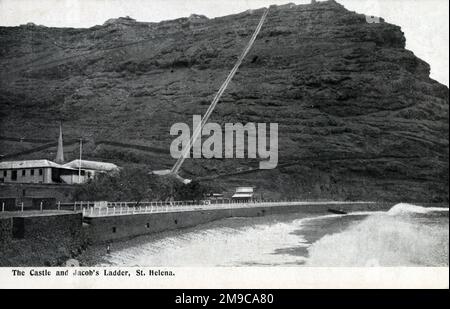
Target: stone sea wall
{"points": [[113, 228]]}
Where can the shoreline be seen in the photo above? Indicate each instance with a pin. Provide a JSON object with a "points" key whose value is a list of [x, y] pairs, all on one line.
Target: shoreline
{"points": [[42, 250], [287, 241], [96, 255]]}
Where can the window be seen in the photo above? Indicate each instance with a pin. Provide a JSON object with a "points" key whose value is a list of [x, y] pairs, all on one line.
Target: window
{"points": [[40, 172], [24, 172], [13, 175], [114, 229], [5, 173], [32, 172]]}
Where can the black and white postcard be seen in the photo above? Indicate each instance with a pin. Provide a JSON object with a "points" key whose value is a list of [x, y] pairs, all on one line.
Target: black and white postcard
{"points": [[220, 144]]}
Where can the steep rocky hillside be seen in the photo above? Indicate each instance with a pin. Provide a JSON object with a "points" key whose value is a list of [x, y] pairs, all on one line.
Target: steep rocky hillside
{"points": [[359, 117]]}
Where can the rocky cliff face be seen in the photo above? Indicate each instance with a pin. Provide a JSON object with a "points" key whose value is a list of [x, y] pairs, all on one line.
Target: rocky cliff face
{"points": [[358, 115]]}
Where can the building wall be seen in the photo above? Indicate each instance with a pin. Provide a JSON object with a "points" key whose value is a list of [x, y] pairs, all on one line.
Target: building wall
{"points": [[44, 175], [75, 179], [47, 175], [32, 194], [41, 175]]}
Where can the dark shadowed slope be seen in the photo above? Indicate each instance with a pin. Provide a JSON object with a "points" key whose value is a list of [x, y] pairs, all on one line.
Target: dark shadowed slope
{"points": [[358, 115]]}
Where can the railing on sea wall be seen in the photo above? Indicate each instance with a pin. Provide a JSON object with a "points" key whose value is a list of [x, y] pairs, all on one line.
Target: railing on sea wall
{"points": [[42, 206], [90, 209], [94, 209]]}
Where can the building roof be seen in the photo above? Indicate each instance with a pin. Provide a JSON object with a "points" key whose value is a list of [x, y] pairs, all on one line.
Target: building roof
{"points": [[242, 195], [244, 190], [92, 165], [28, 164]]}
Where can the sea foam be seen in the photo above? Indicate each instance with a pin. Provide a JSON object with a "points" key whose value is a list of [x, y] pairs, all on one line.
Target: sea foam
{"points": [[404, 208], [386, 239]]}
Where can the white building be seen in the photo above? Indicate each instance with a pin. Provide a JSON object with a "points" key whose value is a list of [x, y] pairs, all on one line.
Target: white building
{"points": [[243, 194], [88, 169], [33, 171], [49, 172]]}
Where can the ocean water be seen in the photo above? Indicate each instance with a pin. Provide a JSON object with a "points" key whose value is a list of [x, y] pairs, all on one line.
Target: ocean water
{"points": [[406, 235]]}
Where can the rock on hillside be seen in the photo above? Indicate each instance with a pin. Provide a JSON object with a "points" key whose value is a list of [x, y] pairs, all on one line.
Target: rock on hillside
{"points": [[359, 116]]}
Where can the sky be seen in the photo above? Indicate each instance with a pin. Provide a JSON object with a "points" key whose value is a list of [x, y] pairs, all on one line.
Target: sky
{"points": [[424, 22]]}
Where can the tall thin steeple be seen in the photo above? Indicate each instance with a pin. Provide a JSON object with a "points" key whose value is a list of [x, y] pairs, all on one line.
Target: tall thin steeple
{"points": [[60, 152]]}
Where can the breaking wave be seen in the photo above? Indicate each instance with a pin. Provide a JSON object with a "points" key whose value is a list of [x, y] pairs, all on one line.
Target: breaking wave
{"points": [[223, 243], [406, 235], [404, 208]]}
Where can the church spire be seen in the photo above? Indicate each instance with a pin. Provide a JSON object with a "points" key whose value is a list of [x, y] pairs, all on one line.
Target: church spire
{"points": [[60, 152]]}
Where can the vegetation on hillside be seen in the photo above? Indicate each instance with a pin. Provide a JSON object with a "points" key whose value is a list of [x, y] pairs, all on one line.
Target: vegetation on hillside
{"points": [[136, 184]]}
